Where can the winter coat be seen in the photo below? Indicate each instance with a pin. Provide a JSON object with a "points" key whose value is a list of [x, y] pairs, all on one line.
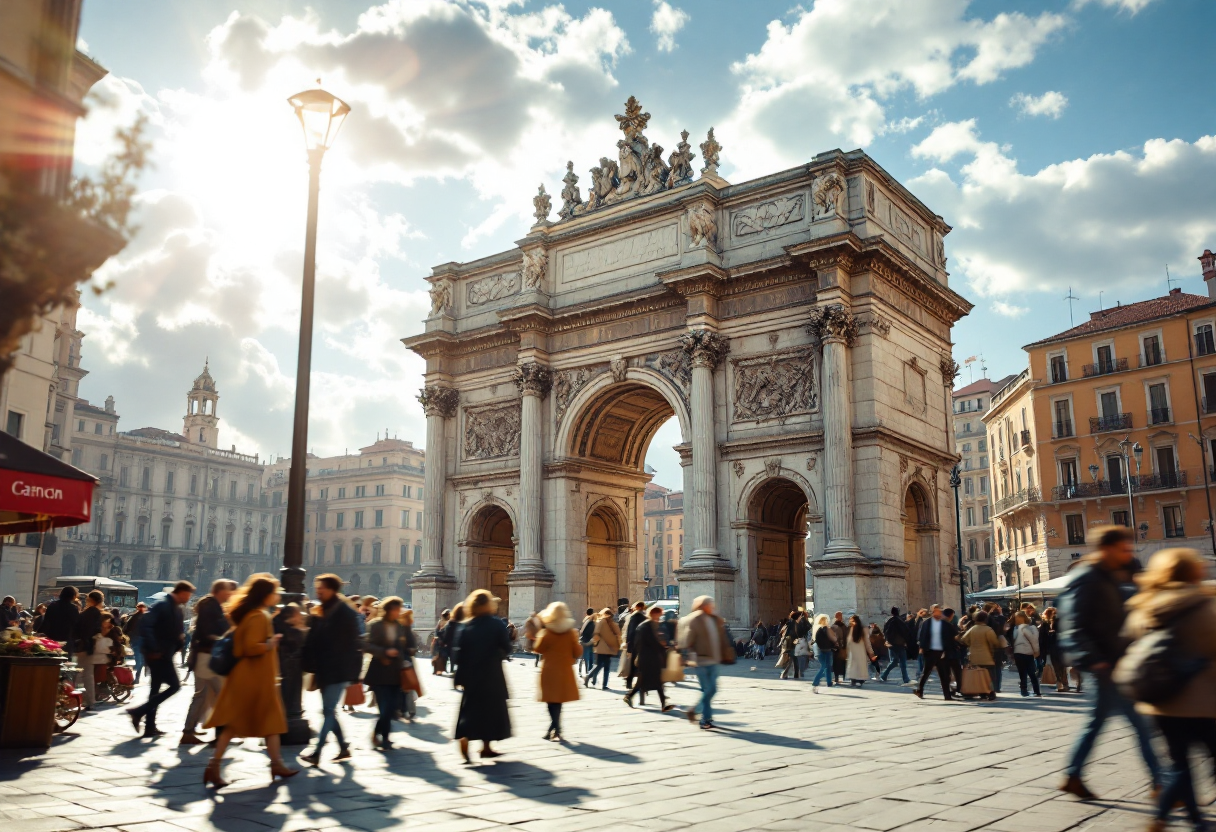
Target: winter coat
{"points": [[631, 626], [482, 644], [333, 650], [695, 636], [1153, 610], [878, 644], [1048, 643], [88, 625], [59, 622], [982, 643], [949, 632], [385, 669], [559, 650], [825, 640], [650, 656], [1026, 640], [859, 654], [609, 637], [586, 630], [130, 627], [163, 630], [1092, 617], [841, 629], [249, 703], [895, 632]]}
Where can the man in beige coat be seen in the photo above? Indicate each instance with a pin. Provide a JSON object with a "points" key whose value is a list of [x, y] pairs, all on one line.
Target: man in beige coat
{"points": [[704, 636]]}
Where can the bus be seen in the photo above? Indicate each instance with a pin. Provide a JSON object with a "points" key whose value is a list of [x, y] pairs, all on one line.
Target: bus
{"points": [[118, 594]]}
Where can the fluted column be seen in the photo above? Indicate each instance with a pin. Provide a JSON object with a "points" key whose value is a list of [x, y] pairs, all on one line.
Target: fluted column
{"points": [[836, 330], [705, 350], [534, 382], [439, 404]]}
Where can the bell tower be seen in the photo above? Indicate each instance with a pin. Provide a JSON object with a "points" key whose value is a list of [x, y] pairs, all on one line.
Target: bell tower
{"points": [[200, 424]]}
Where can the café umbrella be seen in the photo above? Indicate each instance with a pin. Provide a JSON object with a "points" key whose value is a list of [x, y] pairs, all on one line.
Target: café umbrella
{"points": [[39, 493]]}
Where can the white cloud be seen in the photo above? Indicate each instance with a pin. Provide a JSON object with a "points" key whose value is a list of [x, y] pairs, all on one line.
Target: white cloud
{"points": [[1008, 310], [1050, 103], [1129, 6], [665, 23], [1106, 221], [823, 80]]}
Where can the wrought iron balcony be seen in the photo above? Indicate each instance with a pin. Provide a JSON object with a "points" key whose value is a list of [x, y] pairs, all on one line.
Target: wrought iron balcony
{"points": [[1105, 488], [1059, 373], [1151, 359], [1026, 495], [1064, 428], [1156, 482], [1115, 421], [1160, 415], [1115, 365]]}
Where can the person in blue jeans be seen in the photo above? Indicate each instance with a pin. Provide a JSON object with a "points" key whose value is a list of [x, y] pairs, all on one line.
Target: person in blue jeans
{"points": [[704, 638], [333, 654], [585, 634], [895, 633], [1092, 612], [824, 638]]}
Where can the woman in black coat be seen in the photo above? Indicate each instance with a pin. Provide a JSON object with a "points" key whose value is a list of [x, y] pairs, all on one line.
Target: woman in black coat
{"points": [[649, 649], [481, 644], [390, 640]]}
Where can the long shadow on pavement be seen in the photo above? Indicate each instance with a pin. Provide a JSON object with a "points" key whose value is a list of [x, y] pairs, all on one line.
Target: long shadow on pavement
{"points": [[532, 782], [601, 753]]}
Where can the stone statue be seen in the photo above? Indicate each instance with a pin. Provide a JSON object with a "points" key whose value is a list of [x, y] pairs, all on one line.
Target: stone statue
{"points": [[710, 149], [941, 251], [543, 205], [533, 270], [619, 368], [827, 196], [571, 197], [630, 175], [702, 227], [680, 162], [654, 172], [634, 121], [441, 297], [607, 175]]}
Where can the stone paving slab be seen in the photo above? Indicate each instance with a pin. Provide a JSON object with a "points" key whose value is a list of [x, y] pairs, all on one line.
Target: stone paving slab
{"points": [[873, 759]]}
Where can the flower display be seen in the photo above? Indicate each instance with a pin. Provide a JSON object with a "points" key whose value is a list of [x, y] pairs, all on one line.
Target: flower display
{"points": [[13, 642]]}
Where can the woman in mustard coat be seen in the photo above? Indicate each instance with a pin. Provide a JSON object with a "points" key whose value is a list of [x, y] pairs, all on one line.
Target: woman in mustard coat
{"points": [[558, 646], [249, 704]]}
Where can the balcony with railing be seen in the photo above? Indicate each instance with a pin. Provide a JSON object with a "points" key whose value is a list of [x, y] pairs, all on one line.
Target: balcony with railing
{"points": [[1159, 481], [1115, 365], [1159, 415], [1107, 488], [1026, 495], [1113, 421], [1063, 428], [1151, 358]]}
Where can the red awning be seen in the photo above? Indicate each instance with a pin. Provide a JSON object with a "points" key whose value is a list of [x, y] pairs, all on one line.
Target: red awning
{"points": [[38, 492]]}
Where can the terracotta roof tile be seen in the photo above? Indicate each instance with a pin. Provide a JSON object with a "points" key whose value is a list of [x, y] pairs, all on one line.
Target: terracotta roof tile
{"points": [[1175, 303]]}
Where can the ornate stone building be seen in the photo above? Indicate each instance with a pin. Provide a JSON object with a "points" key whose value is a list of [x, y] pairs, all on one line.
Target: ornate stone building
{"points": [[663, 540], [798, 328]]}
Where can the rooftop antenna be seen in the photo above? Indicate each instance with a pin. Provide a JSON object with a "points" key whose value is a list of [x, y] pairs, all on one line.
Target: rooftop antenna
{"points": [[1170, 280], [983, 367], [1100, 307], [1070, 297]]}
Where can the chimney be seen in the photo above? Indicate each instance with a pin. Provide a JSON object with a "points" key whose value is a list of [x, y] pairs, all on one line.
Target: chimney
{"points": [[1207, 261], [109, 404]]}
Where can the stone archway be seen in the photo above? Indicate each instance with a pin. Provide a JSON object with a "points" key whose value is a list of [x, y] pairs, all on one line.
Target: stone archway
{"points": [[490, 544], [605, 533], [777, 531], [920, 552]]}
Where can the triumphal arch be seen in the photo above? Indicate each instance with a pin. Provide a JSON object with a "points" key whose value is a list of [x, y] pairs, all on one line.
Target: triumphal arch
{"points": [[798, 328]]}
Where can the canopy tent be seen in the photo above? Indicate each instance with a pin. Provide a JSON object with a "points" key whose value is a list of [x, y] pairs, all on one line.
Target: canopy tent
{"points": [[1050, 588], [38, 492], [995, 592]]}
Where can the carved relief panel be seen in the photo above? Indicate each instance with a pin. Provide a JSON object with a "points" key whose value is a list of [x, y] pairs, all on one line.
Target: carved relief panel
{"points": [[491, 431], [774, 386], [492, 288], [767, 216]]}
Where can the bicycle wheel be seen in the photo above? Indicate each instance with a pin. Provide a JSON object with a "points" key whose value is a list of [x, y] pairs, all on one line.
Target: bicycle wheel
{"points": [[103, 691], [67, 710], [121, 693]]}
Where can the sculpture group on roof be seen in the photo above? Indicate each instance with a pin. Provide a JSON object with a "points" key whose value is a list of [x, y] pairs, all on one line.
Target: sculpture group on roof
{"points": [[638, 170]]}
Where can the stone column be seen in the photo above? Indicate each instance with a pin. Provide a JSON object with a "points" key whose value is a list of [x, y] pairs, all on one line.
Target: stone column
{"points": [[836, 330], [530, 580], [434, 587]]}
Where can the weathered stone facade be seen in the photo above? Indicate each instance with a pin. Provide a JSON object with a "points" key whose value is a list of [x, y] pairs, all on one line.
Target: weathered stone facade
{"points": [[793, 324]]}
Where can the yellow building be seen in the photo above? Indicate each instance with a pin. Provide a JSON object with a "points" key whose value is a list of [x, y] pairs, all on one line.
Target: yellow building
{"points": [[663, 522], [1113, 422]]}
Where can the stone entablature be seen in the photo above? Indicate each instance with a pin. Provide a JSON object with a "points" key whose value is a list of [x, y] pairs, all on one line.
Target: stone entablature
{"points": [[798, 327]]}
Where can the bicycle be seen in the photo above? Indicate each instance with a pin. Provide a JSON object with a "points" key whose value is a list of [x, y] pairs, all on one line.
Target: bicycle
{"points": [[117, 685], [69, 703]]}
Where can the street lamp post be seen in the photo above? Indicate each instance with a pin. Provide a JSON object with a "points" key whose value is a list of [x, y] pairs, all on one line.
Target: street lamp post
{"points": [[321, 115], [1137, 450], [955, 481]]}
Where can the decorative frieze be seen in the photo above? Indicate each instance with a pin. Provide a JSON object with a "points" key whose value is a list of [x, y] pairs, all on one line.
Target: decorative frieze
{"points": [[633, 250], [439, 401], [759, 219], [567, 384], [877, 324], [677, 366], [775, 386], [492, 431], [492, 288]]}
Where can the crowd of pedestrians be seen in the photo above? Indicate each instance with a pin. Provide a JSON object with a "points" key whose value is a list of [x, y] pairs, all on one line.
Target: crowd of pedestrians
{"points": [[1145, 640]]}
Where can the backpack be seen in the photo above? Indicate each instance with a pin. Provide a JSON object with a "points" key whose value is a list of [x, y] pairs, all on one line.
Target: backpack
{"points": [[1156, 668], [223, 659]]}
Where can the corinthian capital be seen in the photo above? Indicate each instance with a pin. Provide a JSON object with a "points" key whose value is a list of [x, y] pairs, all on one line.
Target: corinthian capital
{"points": [[533, 379], [439, 401], [833, 323], [705, 347]]}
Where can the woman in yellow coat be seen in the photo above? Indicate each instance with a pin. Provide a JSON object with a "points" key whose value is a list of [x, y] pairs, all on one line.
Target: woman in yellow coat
{"points": [[249, 704], [557, 645]]}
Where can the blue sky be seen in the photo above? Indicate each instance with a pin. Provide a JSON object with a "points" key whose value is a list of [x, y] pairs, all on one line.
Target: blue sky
{"points": [[1068, 143]]}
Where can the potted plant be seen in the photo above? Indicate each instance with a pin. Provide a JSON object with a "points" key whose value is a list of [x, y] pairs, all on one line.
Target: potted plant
{"points": [[29, 684]]}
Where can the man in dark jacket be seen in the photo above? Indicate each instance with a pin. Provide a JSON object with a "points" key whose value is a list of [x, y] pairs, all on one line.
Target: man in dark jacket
{"points": [[333, 653], [631, 627], [88, 624], [10, 613], [163, 633], [1091, 622], [210, 624], [59, 621], [585, 634], [896, 636], [936, 638], [998, 623]]}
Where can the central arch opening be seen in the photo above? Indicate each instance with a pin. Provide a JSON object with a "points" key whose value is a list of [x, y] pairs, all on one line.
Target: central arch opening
{"points": [[492, 553], [777, 517], [919, 553], [604, 535]]}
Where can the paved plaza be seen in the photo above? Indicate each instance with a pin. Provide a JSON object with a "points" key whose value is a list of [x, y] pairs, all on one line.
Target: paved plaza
{"points": [[847, 759]]}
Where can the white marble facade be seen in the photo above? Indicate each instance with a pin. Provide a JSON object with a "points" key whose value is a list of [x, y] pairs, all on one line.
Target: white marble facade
{"points": [[797, 326]]}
